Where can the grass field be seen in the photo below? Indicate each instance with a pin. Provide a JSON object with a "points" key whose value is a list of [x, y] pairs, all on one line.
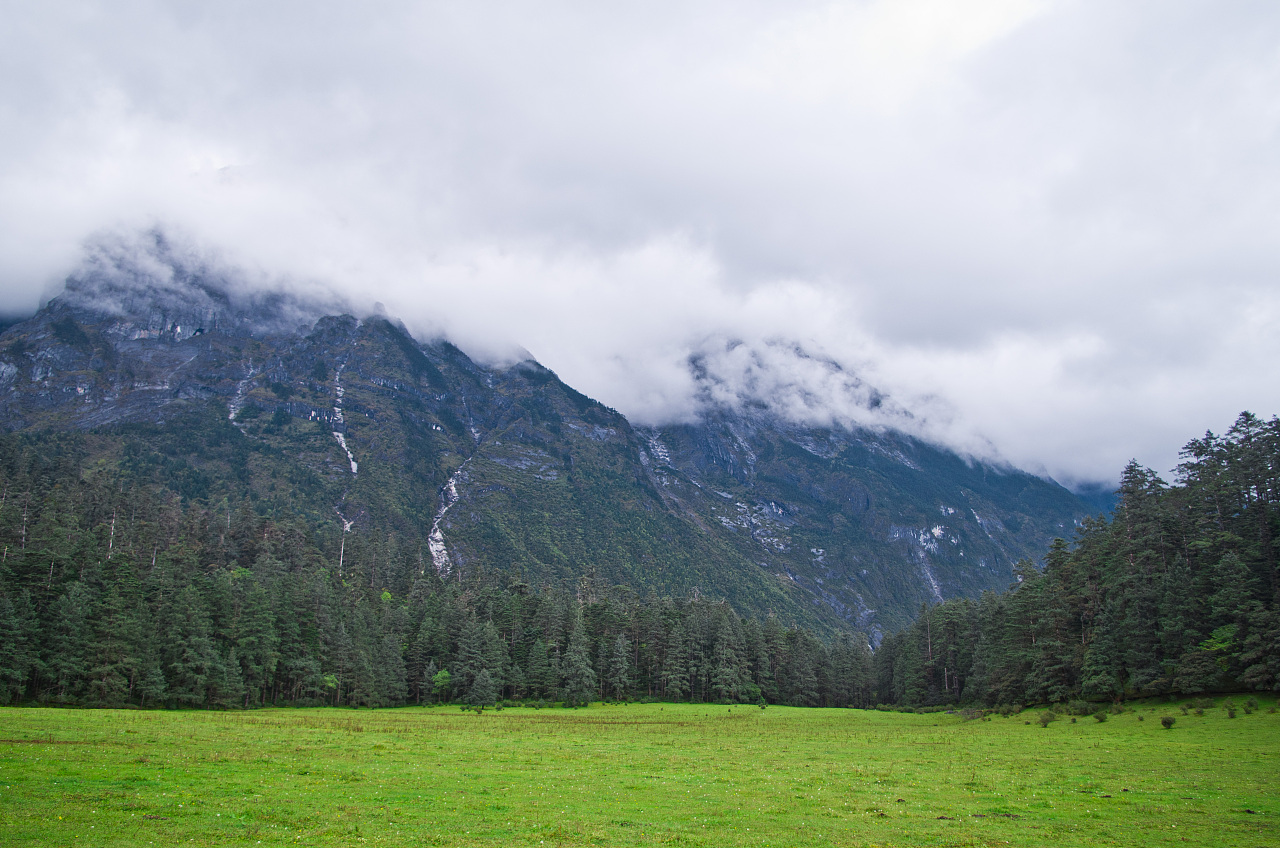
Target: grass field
{"points": [[636, 775]]}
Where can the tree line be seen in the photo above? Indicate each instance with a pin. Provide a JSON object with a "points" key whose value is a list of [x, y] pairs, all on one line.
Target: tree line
{"points": [[1177, 592], [118, 592]]}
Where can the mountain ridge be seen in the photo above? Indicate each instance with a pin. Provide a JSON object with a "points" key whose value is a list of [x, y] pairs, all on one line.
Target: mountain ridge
{"points": [[353, 422]]}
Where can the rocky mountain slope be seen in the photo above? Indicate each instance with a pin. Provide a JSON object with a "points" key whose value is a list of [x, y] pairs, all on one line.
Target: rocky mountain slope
{"points": [[407, 456]]}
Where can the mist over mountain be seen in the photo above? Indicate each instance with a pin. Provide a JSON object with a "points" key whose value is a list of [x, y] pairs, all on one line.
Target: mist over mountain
{"points": [[150, 282], [218, 390], [161, 277], [1045, 227]]}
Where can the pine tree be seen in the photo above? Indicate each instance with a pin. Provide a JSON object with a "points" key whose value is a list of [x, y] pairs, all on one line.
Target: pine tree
{"points": [[851, 667], [115, 653], [471, 654], [69, 643], [253, 635], [15, 651], [675, 666], [515, 680], [540, 677], [392, 684], [1260, 652], [192, 662], [619, 674], [1100, 677], [482, 692], [726, 677], [579, 678], [226, 687], [151, 688], [802, 677], [420, 666]]}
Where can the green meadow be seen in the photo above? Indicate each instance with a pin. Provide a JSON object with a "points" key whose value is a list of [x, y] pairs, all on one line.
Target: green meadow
{"points": [[651, 774]]}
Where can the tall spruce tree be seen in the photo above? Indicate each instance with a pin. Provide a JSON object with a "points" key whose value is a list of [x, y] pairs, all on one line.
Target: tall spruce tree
{"points": [[579, 679]]}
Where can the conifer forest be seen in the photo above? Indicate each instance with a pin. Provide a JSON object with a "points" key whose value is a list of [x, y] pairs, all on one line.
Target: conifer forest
{"points": [[118, 592], [1175, 593]]}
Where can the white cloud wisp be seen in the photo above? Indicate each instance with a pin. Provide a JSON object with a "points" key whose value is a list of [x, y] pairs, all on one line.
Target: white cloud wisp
{"points": [[1044, 228]]}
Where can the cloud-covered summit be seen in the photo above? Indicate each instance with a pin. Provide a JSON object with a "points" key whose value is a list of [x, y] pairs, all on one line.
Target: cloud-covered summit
{"points": [[784, 379], [163, 282], [1057, 217], [155, 280]]}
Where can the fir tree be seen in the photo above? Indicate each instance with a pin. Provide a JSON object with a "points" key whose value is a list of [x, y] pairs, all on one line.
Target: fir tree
{"points": [[579, 679], [619, 674], [482, 692]]}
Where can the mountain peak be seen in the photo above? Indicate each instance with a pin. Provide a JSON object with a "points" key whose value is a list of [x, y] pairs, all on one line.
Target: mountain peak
{"points": [[783, 380], [794, 493], [153, 283]]}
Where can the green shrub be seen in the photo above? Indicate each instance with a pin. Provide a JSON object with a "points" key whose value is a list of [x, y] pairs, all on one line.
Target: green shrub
{"points": [[1167, 722], [1047, 717], [1100, 716]]}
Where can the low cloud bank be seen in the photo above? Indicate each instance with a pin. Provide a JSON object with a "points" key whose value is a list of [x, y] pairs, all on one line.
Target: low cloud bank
{"points": [[1043, 229]]}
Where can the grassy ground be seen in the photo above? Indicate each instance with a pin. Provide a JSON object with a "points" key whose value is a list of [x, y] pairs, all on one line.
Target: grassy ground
{"points": [[635, 775]]}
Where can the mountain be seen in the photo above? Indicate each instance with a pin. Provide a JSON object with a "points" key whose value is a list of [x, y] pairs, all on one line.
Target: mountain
{"points": [[406, 456], [871, 524]]}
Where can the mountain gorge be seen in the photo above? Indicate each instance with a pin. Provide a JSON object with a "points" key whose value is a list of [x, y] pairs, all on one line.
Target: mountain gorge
{"points": [[407, 458]]}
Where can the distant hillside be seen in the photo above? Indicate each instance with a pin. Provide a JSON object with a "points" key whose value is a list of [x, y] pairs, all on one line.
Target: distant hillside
{"points": [[231, 398]]}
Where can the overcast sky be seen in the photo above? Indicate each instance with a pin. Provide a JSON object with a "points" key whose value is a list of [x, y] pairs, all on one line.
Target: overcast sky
{"points": [[1045, 228]]}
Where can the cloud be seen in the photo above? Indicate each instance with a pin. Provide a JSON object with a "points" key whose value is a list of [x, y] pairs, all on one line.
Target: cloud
{"points": [[1043, 226], [163, 278]]}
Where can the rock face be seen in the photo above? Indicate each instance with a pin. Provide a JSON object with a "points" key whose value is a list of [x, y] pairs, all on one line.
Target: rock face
{"points": [[872, 524], [215, 392]]}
